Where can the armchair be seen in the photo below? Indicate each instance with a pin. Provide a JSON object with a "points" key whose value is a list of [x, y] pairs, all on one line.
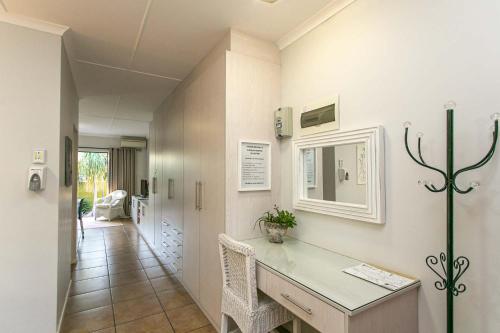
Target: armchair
{"points": [[111, 206]]}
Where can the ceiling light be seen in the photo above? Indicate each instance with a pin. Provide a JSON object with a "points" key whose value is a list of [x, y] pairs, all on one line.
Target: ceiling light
{"points": [[269, 1]]}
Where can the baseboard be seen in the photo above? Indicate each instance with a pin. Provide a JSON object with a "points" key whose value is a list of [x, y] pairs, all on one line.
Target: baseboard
{"points": [[63, 312]]}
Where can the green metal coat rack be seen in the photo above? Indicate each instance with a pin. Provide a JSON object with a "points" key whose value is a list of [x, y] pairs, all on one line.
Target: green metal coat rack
{"points": [[451, 269]]}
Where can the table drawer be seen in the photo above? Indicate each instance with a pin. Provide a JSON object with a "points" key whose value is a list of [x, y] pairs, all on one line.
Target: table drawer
{"points": [[310, 309], [262, 279]]}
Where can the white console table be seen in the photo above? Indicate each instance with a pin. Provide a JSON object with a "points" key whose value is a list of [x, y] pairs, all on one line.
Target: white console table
{"points": [[309, 281]]}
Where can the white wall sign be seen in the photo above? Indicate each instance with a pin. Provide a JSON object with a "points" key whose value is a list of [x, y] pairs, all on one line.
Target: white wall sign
{"points": [[361, 163], [254, 166], [310, 167]]}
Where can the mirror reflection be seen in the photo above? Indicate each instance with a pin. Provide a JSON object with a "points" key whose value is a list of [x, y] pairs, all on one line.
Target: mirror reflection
{"points": [[335, 173]]}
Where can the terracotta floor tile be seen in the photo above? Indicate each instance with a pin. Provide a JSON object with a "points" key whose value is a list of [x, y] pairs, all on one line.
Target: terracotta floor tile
{"points": [[92, 300], [165, 283], [150, 262], [122, 258], [153, 324], [91, 246], [125, 267], [90, 263], [206, 329], [89, 273], [91, 242], [187, 318], [176, 298], [89, 235], [117, 243], [120, 251], [88, 321], [131, 291], [145, 254], [86, 286], [157, 271], [137, 308], [141, 246], [127, 277], [106, 330], [91, 255]]}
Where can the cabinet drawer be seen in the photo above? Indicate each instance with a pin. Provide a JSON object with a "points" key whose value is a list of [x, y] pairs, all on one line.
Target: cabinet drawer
{"points": [[165, 226], [310, 309]]}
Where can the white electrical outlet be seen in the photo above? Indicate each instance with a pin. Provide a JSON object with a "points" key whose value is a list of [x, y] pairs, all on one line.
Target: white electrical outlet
{"points": [[39, 156]]}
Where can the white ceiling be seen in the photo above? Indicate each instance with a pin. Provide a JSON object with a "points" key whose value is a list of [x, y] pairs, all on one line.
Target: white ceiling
{"points": [[128, 55]]}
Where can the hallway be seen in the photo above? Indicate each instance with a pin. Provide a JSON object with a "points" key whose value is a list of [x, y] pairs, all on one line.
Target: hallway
{"points": [[120, 285]]}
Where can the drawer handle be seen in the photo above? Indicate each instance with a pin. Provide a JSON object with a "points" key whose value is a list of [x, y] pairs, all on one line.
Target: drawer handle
{"points": [[297, 304]]}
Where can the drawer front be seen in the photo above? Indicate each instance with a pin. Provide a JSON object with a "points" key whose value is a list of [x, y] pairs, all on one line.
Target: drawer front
{"points": [[310, 309], [165, 226], [262, 279]]}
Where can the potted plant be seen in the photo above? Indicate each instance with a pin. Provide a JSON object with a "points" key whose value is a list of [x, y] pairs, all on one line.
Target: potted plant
{"points": [[276, 223]]}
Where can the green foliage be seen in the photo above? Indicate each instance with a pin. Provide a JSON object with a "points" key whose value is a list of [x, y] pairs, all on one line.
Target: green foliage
{"points": [[279, 216], [85, 206], [92, 175], [284, 218], [93, 167]]}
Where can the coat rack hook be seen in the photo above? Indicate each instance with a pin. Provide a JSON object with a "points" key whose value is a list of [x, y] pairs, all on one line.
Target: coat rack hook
{"points": [[452, 269]]}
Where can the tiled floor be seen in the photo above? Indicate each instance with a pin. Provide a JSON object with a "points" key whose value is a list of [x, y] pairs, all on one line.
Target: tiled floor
{"points": [[120, 286]]}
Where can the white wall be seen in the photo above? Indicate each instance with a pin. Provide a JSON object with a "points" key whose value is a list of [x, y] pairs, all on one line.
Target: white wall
{"points": [[396, 60], [67, 206], [104, 142], [252, 95], [35, 226]]}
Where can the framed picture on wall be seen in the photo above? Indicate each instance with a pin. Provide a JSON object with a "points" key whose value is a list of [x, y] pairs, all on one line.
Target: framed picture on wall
{"points": [[310, 167], [361, 163], [68, 161], [254, 166]]}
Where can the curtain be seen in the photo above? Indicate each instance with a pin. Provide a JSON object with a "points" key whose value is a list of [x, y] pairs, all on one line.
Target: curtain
{"points": [[122, 173]]}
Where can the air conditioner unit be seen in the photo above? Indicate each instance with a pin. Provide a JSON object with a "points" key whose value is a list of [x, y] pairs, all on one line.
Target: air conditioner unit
{"points": [[138, 143]]}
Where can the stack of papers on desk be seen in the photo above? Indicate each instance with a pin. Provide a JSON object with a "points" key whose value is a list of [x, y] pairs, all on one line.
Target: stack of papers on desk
{"points": [[379, 277]]}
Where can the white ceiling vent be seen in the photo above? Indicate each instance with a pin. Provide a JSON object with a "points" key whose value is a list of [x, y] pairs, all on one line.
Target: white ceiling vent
{"points": [[138, 143]]}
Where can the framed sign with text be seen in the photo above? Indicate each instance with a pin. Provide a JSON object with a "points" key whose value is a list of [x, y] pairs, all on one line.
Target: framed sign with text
{"points": [[254, 166]]}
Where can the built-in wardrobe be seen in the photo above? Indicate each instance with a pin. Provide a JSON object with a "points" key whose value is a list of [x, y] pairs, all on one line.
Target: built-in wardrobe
{"points": [[230, 96]]}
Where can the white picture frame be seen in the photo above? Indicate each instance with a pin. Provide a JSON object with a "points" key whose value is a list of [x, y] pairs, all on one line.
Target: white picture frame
{"points": [[373, 210], [254, 166]]}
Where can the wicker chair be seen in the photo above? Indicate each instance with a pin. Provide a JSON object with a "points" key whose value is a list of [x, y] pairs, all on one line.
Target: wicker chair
{"points": [[111, 206], [253, 312]]}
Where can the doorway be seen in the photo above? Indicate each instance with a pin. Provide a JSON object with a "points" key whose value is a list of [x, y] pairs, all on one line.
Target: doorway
{"points": [[92, 178]]}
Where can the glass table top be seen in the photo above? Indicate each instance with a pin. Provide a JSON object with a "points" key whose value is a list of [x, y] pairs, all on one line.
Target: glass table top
{"points": [[319, 270]]}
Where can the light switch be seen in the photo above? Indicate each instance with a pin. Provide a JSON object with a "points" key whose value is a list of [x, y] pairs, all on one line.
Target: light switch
{"points": [[39, 156]]}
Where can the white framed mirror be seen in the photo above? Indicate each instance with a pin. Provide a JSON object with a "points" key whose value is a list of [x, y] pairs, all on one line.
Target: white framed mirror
{"points": [[341, 174]]}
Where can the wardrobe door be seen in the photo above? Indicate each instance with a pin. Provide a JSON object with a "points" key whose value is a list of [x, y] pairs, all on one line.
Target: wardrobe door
{"points": [[147, 224], [212, 212], [191, 260], [173, 178], [160, 186]]}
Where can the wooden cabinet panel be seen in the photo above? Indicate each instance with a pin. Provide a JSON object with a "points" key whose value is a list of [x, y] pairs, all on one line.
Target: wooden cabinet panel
{"points": [[158, 167], [212, 212], [191, 260]]}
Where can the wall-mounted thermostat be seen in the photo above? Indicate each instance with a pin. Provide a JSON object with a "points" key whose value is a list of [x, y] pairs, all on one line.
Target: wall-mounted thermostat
{"points": [[283, 122], [320, 117]]}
